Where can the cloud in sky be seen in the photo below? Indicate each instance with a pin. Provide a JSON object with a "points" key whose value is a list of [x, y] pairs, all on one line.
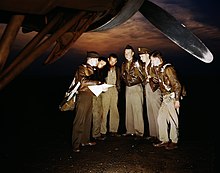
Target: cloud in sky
{"points": [[138, 31]]}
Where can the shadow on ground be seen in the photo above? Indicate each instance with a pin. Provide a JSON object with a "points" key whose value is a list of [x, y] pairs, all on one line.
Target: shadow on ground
{"points": [[35, 136], [53, 154]]}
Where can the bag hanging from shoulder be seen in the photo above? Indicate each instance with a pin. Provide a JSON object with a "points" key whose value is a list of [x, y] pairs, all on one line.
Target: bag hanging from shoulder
{"points": [[68, 105]]}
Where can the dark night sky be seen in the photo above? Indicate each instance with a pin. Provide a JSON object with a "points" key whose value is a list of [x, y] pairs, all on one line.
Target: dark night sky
{"points": [[200, 17]]}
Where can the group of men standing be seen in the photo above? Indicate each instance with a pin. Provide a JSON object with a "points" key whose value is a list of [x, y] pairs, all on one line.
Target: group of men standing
{"points": [[148, 76]]}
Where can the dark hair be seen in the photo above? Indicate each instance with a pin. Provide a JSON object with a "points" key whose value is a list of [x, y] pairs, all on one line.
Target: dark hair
{"points": [[103, 58], [129, 47], [156, 53], [114, 55]]}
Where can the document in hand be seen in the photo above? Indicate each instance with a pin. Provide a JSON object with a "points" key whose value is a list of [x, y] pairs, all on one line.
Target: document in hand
{"points": [[98, 89]]}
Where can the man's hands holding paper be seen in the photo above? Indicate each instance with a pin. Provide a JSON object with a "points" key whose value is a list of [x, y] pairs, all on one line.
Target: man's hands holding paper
{"points": [[98, 89]]}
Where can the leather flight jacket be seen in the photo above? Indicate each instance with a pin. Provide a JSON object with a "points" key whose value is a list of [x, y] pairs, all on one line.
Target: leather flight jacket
{"points": [[154, 85], [83, 75], [153, 80], [132, 73], [168, 81]]}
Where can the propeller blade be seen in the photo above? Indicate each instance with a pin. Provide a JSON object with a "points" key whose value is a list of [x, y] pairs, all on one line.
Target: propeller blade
{"points": [[127, 11], [175, 31]]}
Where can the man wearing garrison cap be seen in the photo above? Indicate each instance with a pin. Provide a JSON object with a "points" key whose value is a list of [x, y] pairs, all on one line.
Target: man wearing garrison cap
{"points": [[143, 50], [83, 119], [92, 54], [152, 94]]}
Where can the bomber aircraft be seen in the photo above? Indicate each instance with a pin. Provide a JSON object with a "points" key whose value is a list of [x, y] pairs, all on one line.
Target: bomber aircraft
{"points": [[59, 23]]}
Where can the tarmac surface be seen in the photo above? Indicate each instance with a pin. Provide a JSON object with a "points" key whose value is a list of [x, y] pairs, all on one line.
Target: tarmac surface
{"points": [[36, 137], [53, 154]]}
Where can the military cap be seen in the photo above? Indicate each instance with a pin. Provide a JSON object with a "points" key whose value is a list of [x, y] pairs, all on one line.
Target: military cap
{"points": [[143, 50], [92, 54]]}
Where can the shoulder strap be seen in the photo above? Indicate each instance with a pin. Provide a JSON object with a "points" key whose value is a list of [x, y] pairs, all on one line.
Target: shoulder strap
{"points": [[164, 66], [73, 83]]}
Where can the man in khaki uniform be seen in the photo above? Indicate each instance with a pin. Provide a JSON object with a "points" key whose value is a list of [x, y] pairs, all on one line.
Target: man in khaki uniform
{"points": [[152, 94], [110, 97], [131, 74]]}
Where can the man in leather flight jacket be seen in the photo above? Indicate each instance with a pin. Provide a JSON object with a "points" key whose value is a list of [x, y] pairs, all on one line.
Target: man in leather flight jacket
{"points": [[152, 93], [133, 78], [83, 112], [168, 113]]}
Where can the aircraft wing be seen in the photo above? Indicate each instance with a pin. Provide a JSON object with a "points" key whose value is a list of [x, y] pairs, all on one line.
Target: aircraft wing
{"points": [[59, 23]]}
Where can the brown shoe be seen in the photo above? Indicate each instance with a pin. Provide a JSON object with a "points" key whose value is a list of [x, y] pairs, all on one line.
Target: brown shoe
{"points": [[128, 134], [161, 144], [152, 139], [89, 144], [171, 146], [101, 138], [76, 150], [114, 134]]}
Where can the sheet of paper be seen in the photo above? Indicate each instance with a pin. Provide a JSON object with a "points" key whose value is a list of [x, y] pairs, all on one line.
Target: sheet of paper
{"points": [[98, 89]]}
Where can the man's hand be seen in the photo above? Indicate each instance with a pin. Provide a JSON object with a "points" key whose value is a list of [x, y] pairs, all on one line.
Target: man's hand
{"points": [[176, 104]]}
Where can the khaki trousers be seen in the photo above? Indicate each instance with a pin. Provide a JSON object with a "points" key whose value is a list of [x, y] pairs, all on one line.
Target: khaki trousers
{"points": [[110, 105], [97, 112], [153, 103], [168, 115], [134, 110]]}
